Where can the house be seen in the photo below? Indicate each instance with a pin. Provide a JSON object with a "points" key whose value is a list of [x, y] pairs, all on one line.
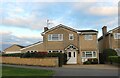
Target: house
{"points": [[110, 39], [13, 49], [79, 45]]}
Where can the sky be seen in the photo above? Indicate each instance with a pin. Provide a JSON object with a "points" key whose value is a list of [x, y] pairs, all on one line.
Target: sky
{"points": [[23, 21]]}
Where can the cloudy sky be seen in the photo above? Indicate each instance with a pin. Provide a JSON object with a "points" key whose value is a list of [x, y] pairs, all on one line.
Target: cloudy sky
{"points": [[22, 21]]}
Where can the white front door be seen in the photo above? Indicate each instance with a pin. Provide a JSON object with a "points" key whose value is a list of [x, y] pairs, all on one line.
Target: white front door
{"points": [[71, 57]]}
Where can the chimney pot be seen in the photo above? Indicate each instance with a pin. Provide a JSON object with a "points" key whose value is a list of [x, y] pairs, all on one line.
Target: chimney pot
{"points": [[45, 29]]}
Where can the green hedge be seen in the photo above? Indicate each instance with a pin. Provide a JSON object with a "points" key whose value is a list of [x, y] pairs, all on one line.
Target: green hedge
{"points": [[106, 53], [13, 55], [114, 59]]}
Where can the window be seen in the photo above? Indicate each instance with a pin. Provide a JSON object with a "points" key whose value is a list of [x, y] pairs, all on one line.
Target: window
{"points": [[71, 37], [88, 37], [49, 51], [55, 51], [55, 37], [83, 54], [94, 54], [74, 54], [69, 54], [89, 54], [116, 35]]}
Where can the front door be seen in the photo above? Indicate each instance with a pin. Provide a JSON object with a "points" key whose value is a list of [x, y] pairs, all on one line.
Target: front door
{"points": [[71, 57]]}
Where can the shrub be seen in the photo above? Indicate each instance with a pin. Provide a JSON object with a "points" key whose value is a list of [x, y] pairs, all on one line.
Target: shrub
{"points": [[114, 59], [13, 55], [95, 61], [107, 53], [87, 62], [26, 55]]}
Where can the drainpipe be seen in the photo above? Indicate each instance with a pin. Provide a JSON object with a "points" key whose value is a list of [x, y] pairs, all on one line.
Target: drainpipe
{"points": [[98, 50], [80, 57]]}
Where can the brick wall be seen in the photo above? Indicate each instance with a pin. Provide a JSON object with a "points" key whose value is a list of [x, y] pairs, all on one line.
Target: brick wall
{"points": [[31, 61]]}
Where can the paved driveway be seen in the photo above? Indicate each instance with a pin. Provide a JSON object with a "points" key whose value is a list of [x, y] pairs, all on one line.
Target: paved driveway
{"points": [[74, 70]]}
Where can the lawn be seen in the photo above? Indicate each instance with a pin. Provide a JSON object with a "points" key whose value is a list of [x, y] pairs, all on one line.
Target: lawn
{"points": [[25, 72]]}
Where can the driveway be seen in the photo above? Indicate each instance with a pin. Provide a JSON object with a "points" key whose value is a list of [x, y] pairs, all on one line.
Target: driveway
{"points": [[78, 70]]}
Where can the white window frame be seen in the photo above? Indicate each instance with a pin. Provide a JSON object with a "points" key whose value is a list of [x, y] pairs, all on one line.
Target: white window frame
{"points": [[51, 51], [116, 35], [50, 37], [88, 37], [32, 50], [71, 35], [92, 54]]}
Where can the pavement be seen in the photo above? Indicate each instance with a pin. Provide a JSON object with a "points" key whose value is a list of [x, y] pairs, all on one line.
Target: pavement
{"points": [[79, 70]]}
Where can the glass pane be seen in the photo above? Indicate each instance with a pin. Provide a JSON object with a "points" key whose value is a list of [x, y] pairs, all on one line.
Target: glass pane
{"points": [[69, 54], [74, 54], [88, 55], [94, 54], [83, 54]]}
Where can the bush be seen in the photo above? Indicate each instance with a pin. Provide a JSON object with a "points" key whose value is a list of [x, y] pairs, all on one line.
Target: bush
{"points": [[91, 61], [13, 55], [95, 61], [87, 62], [107, 53], [114, 59], [26, 55]]}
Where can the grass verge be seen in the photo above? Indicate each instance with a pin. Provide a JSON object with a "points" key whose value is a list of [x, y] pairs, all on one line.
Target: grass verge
{"points": [[15, 72]]}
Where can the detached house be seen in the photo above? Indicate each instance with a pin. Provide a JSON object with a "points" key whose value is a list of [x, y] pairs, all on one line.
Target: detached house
{"points": [[110, 39], [79, 45]]}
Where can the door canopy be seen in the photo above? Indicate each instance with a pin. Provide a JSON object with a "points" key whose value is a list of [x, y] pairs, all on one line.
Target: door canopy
{"points": [[71, 47]]}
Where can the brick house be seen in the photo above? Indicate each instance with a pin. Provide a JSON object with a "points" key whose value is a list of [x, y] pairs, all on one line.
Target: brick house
{"points": [[110, 39], [79, 45]]}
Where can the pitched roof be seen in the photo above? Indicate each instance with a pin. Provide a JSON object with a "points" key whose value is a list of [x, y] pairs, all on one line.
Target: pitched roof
{"points": [[15, 45], [69, 28], [60, 25], [39, 42]]}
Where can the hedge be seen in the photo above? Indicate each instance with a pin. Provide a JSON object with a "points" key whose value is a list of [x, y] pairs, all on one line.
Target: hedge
{"points": [[13, 55], [114, 59], [106, 53]]}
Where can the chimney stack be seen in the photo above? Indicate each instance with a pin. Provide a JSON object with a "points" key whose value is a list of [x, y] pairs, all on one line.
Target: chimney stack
{"points": [[104, 30], [45, 29]]}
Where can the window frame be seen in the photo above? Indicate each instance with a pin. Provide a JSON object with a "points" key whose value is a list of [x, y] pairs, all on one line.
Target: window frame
{"points": [[92, 52], [50, 37], [87, 37], [52, 51], [71, 36], [116, 35]]}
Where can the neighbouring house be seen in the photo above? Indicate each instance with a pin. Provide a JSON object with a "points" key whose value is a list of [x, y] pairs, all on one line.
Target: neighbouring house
{"points": [[79, 45], [110, 39], [13, 49]]}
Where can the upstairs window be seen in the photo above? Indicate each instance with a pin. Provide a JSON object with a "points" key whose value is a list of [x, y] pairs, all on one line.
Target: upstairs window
{"points": [[116, 35], [71, 37], [55, 37], [88, 37]]}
